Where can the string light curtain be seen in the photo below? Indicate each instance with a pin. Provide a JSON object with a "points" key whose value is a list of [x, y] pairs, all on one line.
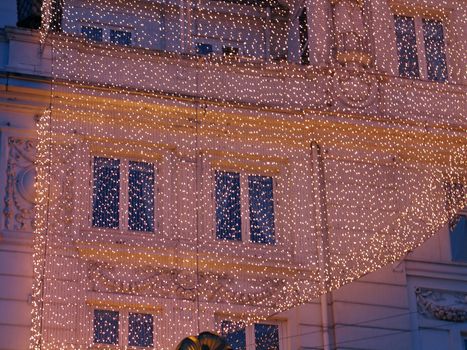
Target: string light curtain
{"points": [[192, 175]]}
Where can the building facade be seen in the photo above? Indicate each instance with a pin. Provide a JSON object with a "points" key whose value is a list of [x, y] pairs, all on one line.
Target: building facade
{"points": [[266, 170]]}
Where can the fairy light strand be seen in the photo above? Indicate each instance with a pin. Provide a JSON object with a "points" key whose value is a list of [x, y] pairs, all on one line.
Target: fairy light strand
{"points": [[125, 155]]}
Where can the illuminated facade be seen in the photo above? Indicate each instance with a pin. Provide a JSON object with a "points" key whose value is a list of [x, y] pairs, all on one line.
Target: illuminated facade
{"points": [[219, 165]]}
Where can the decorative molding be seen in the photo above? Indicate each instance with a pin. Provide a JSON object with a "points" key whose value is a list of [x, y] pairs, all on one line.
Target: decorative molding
{"points": [[20, 193], [181, 284], [119, 305], [362, 58], [358, 2], [349, 32], [155, 256], [355, 88], [246, 157], [63, 159], [442, 305], [266, 169]]}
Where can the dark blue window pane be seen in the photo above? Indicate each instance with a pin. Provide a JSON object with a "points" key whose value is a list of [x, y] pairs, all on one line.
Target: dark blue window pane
{"points": [[141, 196], [434, 50], [261, 209], [106, 192], [140, 330], [92, 33], [406, 47], [266, 336], [459, 240], [106, 327], [303, 34], [228, 220], [234, 333], [120, 37], [203, 49]]}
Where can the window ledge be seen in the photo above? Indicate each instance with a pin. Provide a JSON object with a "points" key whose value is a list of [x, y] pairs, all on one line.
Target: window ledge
{"points": [[440, 86], [184, 257], [275, 252], [104, 347], [125, 237]]}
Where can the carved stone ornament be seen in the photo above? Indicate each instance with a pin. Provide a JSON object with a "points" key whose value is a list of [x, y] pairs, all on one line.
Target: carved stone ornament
{"points": [[170, 282], [442, 305], [348, 19], [355, 87], [62, 190], [20, 192]]}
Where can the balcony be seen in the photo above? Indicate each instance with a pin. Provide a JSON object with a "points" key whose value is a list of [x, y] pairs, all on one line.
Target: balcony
{"points": [[237, 81]]}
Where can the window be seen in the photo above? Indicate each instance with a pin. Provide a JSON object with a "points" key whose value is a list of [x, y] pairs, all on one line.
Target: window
{"points": [[227, 49], [228, 207], [244, 207], [456, 193], [261, 206], [141, 196], [303, 34], [107, 328], [106, 193], [204, 49], [230, 51], [418, 41], [114, 36], [407, 47], [458, 237], [235, 334], [433, 34], [259, 336], [140, 330], [92, 33], [123, 194], [57, 15], [120, 37]]}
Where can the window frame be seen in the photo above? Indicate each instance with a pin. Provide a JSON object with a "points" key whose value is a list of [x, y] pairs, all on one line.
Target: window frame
{"points": [[420, 43], [245, 232], [123, 327], [123, 205]]}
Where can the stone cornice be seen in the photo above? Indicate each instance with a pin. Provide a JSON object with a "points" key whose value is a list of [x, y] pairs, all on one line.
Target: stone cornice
{"points": [[296, 131]]}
